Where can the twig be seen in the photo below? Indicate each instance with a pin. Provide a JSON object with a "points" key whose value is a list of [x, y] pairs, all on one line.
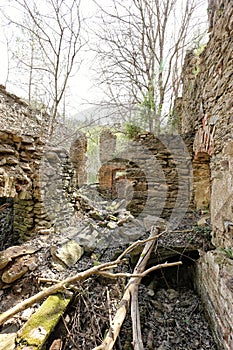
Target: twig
{"points": [[135, 314], [130, 290], [140, 242], [64, 284], [181, 231], [69, 334], [58, 287], [139, 275]]}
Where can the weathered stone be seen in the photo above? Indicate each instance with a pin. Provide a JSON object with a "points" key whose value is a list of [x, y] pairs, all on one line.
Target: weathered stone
{"points": [[37, 329], [212, 275], [27, 139], [203, 221], [151, 220], [112, 225], [77, 154], [52, 157], [16, 138], [13, 252], [6, 150], [96, 215], [18, 269], [68, 254], [7, 341]]}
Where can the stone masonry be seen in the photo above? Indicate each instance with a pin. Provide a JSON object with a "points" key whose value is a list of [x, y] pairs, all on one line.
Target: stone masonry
{"points": [[207, 110], [37, 180]]}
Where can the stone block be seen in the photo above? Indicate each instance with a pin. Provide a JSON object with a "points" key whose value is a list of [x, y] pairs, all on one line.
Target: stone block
{"points": [[37, 329]]}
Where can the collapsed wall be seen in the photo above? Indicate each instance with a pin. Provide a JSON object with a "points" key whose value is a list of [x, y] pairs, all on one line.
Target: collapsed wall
{"points": [[207, 109]]}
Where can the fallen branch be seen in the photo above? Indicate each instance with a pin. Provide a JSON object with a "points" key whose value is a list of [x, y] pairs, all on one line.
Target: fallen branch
{"points": [[131, 291], [135, 314], [64, 284]]}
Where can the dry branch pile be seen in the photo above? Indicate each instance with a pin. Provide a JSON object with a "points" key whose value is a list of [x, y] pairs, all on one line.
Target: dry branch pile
{"points": [[130, 295]]}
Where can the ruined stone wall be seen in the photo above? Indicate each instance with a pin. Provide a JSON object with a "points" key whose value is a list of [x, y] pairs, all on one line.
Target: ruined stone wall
{"points": [[155, 176], [19, 118], [208, 111], [214, 282], [107, 145], [39, 180], [78, 150], [36, 179], [19, 161], [54, 185], [165, 164]]}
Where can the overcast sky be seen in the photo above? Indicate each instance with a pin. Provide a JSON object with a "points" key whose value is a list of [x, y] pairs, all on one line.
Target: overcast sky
{"points": [[82, 90]]}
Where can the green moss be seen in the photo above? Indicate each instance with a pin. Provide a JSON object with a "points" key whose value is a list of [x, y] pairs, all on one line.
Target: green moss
{"points": [[37, 329]]}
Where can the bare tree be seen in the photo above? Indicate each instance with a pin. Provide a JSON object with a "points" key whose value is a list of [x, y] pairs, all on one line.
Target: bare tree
{"points": [[141, 45], [50, 34]]}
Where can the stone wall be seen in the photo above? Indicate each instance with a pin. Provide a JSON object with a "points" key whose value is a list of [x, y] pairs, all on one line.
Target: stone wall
{"points": [[156, 176], [37, 180], [207, 110], [77, 153], [40, 181], [107, 145], [19, 118], [54, 185], [19, 160], [6, 222], [214, 282], [165, 164]]}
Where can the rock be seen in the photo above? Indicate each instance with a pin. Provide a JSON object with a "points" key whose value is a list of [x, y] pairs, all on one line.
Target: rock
{"points": [[5, 150], [131, 231], [203, 221], [18, 269], [56, 344], [88, 240], [37, 329], [26, 314], [68, 254], [11, 161], [45, 231], [112, 225], [7, 341], [13, 252], [172, 294], [96, 215], [151, 220], [27, 139], [25, 166], [8, 336], [52, 157], [112, 217]]}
